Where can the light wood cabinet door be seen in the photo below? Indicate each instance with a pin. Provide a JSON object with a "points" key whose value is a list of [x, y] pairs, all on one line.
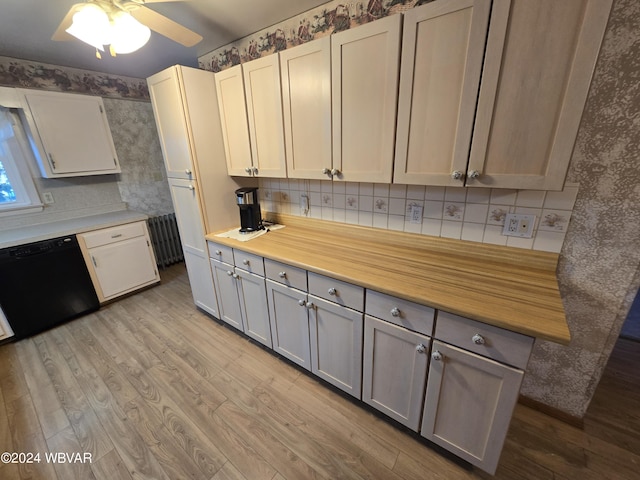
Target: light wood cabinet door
{"points": [[442, 52], [264, 112], [226, 287], [71, 134], [252, 293], [364, 70], [539, 62], [167, 99], [233, 118], [186, 204], [306, 100], [123, 266], [468, 404], [201, 282], [289, 323], [336, 344], [394, 370]]}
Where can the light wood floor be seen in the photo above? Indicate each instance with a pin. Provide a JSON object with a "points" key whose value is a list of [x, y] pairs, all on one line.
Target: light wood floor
{"points": [[153, 388]]}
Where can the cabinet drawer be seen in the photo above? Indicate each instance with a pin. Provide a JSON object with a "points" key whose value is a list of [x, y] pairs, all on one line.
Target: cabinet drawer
{"points": [[249, 262], [221, 253], [336, 291], [113, 234], [286, 274], [493, 342], [404, 313]]}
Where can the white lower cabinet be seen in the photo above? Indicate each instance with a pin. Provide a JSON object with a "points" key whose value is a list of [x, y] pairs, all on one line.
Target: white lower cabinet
{"points": [[5, 328], [227, 292], [201, 281], [120, 259], [395, 370], [469, 403], [252, 295], [289, 323], [336, 344]]}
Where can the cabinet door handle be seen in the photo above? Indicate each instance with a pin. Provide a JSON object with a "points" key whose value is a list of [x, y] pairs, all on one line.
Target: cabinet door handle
{"points": [[473, 174], [218, 252], [302, 303], [310, 305], [335, 172], [52, 162], [332, 291], [456, 175], [478, 339], [191, 187], [229, 272], [255, 171], [282, 274], [420, 348], [187, 171], [437, 356], [235, 275], [118, 235], [248, 170], [93, 259], [245, 262], [395, 312]]}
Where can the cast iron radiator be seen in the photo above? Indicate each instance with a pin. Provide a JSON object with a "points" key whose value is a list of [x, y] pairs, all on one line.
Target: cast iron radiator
{"points": [[165, 239]]}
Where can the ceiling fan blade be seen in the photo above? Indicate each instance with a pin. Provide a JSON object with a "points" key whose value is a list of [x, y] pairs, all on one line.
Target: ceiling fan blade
{"points": [[165, 26], [60, 34]]}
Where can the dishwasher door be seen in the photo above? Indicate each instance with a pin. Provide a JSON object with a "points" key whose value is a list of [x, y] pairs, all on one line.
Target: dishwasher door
{"points": [[43, 284]]}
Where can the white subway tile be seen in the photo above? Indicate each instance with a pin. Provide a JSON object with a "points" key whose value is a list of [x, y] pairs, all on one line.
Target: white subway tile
{"points": [[476, 213], [473, 232], [548, 241], [451, 229]]}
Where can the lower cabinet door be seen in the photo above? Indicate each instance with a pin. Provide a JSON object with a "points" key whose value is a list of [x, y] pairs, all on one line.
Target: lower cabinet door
{"points": [[123, 266], [253, 304], [227, 293], [289, 323], [468, 404], [201, 281], [336, 344], [394, 370]]}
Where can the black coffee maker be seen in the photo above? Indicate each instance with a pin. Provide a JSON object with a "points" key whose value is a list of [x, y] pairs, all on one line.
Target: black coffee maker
{"points": [[250, 217]]}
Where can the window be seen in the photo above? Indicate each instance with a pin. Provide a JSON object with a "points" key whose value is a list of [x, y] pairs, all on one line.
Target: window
{"points": [[17, 191]]}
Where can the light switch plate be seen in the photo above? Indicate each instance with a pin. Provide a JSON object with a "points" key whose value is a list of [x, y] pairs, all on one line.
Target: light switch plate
{"points": [[518, 225]]}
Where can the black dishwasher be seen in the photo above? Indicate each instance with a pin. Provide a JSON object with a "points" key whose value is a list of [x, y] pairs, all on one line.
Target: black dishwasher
{"points": [[43, 284]]}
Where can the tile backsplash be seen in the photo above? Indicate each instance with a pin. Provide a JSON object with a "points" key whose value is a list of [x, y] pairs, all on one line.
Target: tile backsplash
{"points": [[475, 214]]}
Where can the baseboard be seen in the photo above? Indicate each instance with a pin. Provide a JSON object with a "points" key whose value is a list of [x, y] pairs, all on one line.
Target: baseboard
{"points": [[552, 411]]}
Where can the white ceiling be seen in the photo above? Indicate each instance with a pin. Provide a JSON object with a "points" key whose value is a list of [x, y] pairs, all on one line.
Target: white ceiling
{"points": [[26, 27]]}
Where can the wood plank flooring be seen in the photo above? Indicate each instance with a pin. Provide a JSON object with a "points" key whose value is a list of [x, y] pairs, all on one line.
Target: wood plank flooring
{"points": [[153, 388]]}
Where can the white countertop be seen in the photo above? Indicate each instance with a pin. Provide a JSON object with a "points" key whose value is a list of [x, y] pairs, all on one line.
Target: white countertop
{"points": [[44, 231]]}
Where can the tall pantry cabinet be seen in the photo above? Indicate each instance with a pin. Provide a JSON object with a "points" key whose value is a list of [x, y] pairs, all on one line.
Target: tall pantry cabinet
{"points": [[186, 112]]}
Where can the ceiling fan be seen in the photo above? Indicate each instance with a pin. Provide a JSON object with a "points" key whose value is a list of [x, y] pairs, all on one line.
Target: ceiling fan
{"points": [[124, 25]]}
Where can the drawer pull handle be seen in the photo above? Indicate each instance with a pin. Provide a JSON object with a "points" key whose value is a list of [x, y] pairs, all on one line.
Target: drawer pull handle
{"points": [[229, 272], [282, 274], [245, 262], [332, 291], [421, 348], [310, 305], [395, 312], [302, 303], [235, 275], [187, 171], [192, 188], [437, 356], [218, 252], [247, 169], [116, 236], [478, 339]]}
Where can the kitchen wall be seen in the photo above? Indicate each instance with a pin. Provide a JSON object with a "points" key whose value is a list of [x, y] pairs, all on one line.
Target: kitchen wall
{"points": [[142, 185], [599, 269]]}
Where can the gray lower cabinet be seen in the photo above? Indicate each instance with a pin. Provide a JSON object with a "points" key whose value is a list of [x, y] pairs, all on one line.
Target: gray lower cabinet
{"points": [[335, 334], [289, 320], [227, 293], [469, 403], [395, 370]]}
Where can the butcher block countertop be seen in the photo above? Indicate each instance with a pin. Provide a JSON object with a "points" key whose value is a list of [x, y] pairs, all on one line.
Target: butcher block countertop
{"points": [[512, 288]]}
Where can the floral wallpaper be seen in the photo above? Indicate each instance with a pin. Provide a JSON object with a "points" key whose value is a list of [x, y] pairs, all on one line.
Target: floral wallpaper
{"points": [[332, 17], [16, 72]]}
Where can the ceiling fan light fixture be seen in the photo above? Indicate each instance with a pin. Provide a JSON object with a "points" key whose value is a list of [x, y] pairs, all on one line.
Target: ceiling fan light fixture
{"points": [[127, 33], [91, 25]]}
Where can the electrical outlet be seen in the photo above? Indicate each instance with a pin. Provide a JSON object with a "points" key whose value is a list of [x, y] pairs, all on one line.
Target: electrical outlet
{"points": [[519, 225], [47, 197]]}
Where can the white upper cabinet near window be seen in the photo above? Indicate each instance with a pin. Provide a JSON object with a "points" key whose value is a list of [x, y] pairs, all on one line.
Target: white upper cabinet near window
{"points": [[70, 134], [264, 111], [442, 52], [364, 69], [306, 99], [539, 62], [233, 117]]}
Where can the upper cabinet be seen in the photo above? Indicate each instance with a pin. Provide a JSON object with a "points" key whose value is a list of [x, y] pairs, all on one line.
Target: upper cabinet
{"points": [[250, 103], [306, 98], [539, 62], [365, 63], [70, 134], [442, 51]]}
